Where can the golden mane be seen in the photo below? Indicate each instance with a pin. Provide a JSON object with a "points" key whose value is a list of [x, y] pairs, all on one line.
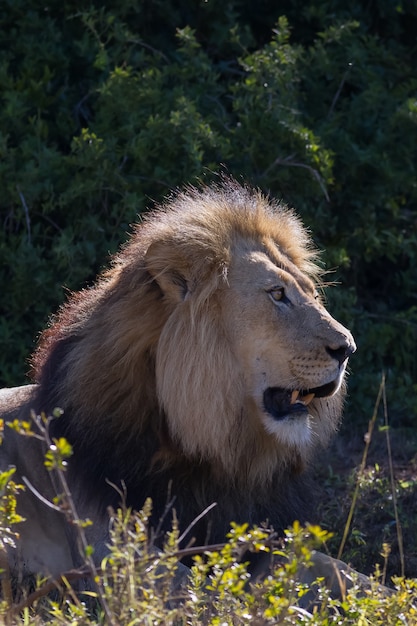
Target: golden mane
{"points": [[200, 368], [116, 328]]}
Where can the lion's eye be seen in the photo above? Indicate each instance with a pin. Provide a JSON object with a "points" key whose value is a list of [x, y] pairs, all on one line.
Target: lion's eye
{"points": [[277, 294]]}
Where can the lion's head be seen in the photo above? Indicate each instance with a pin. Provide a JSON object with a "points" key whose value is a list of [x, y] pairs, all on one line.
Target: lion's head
{"points": [[208, 331]]}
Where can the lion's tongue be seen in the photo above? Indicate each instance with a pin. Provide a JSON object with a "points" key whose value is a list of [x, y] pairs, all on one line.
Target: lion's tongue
{"points": [[304, 399]]}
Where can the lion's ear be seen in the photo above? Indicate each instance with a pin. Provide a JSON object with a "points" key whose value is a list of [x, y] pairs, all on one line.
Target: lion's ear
{"points": [[168, 270], [173, 285]]}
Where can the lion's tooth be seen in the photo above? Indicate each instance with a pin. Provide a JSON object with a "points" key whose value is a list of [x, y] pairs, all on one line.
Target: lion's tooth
{"points": [[307, 399], [294, 396]]}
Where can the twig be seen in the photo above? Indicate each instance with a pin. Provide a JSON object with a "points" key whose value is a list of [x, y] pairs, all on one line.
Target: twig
{"points": [[196, 520], [48, 219], [71, 514], [339, 89], [6, 586], [392, 481], [40, 497], [27, 216], [368, 438], [288, 161], [49, 586], [155, 51], [85, 572]]}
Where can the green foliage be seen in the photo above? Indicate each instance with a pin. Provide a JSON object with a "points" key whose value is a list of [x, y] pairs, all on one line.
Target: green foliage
{"points": [[8, 514], [139, 584], [107, 108]]}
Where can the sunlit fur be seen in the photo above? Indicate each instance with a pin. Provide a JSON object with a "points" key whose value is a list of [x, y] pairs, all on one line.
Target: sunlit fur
{"points": [[140, 345], [151, 367]]}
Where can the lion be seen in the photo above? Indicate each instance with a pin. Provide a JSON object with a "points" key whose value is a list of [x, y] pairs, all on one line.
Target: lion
{"points": [[202, 367]]}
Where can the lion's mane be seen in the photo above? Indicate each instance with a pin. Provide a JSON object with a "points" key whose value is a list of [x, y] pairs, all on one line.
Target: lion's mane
{"points": [[149, 383]]}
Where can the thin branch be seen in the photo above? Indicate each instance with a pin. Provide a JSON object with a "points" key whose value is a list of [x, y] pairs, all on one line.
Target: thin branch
{"points": [[48, 219], [72, 516], [392, 481], [40, 496], [6, 586], [48, 586], [339, 90], [368, 438], [288, 161], [27, 216], [196, 520], [74, 575], [155, 51]]}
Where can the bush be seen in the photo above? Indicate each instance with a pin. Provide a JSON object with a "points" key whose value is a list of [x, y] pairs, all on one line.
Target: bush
{"points": [[136, 585], [106, 109]]}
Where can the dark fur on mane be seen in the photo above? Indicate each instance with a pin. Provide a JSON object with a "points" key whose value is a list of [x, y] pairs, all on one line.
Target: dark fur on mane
{"points": [[149, 465], [96, 361]]}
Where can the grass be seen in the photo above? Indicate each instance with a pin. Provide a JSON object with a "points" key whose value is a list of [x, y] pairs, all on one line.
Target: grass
{"points": [[371, 507], [139, 588], [369, 491]]}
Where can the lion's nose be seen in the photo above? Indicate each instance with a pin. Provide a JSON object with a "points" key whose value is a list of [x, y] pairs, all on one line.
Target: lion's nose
{"points": [[341, 353]]}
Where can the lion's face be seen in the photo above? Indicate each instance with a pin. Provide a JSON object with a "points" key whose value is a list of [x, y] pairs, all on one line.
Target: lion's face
{"points": [[250, 371], [292, 353]]}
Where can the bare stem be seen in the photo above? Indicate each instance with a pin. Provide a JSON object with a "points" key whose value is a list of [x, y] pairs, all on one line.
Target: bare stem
{"points": [[368, 438], [393, 493], [70, 512], [290, 163], [27, 216]]}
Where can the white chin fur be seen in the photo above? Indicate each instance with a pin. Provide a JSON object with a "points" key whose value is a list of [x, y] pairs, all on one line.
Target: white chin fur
{"points": [[294, 432]]}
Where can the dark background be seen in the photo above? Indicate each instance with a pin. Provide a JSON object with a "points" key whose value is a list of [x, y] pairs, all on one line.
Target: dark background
{"points": [[104, 110]]}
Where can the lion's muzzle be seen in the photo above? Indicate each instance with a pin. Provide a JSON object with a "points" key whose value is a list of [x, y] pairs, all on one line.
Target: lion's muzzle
{"points": [[281, 403]]}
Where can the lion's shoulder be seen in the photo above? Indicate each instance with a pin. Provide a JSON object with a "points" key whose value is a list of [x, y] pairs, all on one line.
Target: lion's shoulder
{"points": [[17, 401]]}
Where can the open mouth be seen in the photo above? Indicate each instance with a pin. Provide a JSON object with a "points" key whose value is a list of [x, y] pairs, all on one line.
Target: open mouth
{"points": [[282, 403]]}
